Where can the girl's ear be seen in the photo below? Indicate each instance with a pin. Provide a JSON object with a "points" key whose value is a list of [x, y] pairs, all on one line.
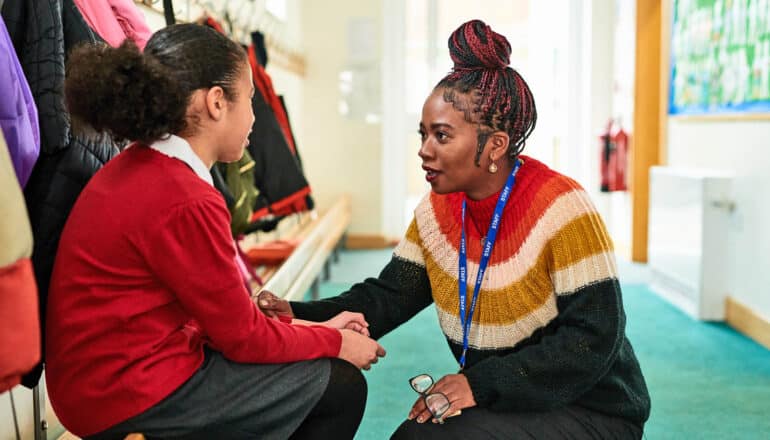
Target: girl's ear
{"points": [[215, 102]]}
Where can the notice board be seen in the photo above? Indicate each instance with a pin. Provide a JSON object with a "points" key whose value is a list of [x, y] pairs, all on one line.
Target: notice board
{"points": [[720, 57]]}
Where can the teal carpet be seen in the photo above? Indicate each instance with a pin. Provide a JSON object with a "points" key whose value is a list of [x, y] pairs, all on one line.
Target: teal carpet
{"points": [[706, 380]]}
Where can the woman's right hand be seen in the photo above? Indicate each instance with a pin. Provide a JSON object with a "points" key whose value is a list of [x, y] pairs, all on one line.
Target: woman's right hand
{"points": [[272, 305], [359, 350]]}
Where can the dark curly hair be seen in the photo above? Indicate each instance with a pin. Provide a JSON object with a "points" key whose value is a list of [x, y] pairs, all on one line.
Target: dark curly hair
{"points": [[486, 89], [143, 97]]}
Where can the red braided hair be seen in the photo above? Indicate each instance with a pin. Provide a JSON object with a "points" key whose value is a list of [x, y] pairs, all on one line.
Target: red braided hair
{"points": [[491, 92]]}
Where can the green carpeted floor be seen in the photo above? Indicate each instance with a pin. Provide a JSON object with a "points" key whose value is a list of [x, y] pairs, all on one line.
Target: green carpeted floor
{"points": [[706, 380]]}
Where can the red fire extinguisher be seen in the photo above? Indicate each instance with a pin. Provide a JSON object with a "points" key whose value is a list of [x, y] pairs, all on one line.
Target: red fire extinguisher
{"points": [[613, 158], [605, 151], [619, 160]]}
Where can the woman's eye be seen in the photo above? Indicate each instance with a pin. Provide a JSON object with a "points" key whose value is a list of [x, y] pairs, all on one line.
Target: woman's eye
{"points": [[441, 136]]}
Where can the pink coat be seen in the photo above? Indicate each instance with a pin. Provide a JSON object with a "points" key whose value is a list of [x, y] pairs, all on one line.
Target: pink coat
{"points": [[115, 20]]}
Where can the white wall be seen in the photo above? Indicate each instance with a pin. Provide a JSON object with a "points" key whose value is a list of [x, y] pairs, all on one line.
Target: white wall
{"points": [[740, 147], [340, 155]]}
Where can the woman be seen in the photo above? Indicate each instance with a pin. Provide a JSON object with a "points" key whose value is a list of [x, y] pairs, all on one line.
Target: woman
{"points": [[543, 353], [150, 328]]}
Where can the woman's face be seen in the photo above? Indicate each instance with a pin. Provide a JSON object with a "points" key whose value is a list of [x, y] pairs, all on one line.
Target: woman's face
{"points": [[238, 120], [448, 147]]}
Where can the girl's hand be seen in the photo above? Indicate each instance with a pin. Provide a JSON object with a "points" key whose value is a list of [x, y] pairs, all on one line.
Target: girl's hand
{"points": [[351, 321]]}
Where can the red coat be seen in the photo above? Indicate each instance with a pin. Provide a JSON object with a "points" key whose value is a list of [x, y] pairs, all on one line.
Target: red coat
{"points": [[19, 321]]}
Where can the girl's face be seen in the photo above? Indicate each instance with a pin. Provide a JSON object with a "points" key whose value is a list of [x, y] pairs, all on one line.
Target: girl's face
{"points": [[235, 125], [449, 147]]}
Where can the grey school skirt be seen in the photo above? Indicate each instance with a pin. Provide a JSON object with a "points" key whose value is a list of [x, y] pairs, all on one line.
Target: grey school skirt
{"points": [[229, 400]]}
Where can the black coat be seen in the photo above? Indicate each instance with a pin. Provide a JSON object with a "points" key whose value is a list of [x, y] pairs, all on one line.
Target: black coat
{"points": [[43, 32], [278, 174]]}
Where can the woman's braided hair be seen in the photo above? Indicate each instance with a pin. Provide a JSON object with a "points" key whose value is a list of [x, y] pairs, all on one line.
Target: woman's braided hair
{"points": [[486, 88]]}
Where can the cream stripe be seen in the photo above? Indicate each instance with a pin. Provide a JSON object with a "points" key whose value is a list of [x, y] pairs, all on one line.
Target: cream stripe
{"points": [[409, 251], [562, 211], [488, 337], [589, 270]]}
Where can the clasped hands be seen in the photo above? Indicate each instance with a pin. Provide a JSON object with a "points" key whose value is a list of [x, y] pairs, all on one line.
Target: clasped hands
{"points": [[356, 347], [353, 325]]}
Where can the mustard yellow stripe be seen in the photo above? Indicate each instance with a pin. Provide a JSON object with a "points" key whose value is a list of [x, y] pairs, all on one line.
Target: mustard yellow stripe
{"points": [[579, 239], [491, 337], [502, 306]]}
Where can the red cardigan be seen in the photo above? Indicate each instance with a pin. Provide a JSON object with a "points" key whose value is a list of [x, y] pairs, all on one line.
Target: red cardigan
{"points": [[145, 275]]}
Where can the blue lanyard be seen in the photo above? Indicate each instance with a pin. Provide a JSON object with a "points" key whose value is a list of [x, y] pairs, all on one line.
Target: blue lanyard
{"points": [[488, 245]]}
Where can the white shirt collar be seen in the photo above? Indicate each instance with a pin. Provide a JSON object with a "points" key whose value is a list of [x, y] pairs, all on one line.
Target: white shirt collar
{"points": [[179, 148]]}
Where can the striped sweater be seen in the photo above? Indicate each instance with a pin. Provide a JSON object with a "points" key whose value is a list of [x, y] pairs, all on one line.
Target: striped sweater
{"points": [[549, 325]]}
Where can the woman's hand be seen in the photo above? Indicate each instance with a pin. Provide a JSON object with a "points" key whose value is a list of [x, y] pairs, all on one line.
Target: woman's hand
{"points": [[351, 321], [359, 350], [456, 388], [272, 306]]}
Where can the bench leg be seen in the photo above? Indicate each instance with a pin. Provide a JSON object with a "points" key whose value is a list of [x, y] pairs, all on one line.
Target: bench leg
{"points": [[38, 405], [315, 290], [327, 270]]}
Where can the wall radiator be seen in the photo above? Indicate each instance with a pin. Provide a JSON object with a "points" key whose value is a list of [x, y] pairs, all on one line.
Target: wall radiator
{"points": [[688, 239]]}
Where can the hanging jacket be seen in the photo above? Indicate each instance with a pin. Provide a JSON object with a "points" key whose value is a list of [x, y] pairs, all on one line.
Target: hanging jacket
{"points": [[115, 20], [282, 187], [308, 199], [264, 84], [18, 114], [43, 31], [19, 321], [282, 184]]}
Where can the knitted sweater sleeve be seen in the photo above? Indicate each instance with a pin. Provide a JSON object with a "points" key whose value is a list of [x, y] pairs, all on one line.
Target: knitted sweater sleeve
{"points": [[579, 346], [400, 291]]}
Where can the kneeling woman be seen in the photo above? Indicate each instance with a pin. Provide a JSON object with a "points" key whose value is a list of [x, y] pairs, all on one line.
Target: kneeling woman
{"points": [[149, 326]]}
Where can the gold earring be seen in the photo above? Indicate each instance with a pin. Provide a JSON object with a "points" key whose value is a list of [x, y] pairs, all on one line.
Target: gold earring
{"points": [[492, 167]]}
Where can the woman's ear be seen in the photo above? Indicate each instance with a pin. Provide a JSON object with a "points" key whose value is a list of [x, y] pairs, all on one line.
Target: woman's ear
{"points": [[497, 145], [216, 102]]}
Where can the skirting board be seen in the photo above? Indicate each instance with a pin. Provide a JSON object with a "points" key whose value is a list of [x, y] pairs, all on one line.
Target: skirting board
{"points": [[367, 241], [747, 322]]}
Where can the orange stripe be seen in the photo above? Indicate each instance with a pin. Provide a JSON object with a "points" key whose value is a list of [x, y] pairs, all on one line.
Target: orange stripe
{"points": [[519, 219]]}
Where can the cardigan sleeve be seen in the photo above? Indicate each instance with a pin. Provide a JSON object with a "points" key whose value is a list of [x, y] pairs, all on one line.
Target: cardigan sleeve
{"points": [[580, 345], [192, 252], [400, 291]]}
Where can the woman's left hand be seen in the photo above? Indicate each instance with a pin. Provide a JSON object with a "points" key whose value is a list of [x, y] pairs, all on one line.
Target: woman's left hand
{"points": [[458, 391]]}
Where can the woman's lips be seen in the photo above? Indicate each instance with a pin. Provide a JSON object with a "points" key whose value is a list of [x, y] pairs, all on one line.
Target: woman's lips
{"points": [[430, 173]]}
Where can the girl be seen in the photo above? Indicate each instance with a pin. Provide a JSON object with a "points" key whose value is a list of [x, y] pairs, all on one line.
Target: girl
{"points": [[149, 326]]}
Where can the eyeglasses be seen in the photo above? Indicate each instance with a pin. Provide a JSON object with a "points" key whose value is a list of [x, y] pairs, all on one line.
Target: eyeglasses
{"points": [[437, 403]]}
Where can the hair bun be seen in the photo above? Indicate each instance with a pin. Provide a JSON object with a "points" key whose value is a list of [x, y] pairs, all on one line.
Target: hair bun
{"points": [[122, 92], [475, 46]]}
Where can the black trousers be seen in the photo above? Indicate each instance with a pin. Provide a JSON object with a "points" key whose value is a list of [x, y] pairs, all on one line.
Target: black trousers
{"points": [[571, 422]]}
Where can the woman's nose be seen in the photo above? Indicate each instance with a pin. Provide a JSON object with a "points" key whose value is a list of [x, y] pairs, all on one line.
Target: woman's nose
{"points": [[424, 151]]}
